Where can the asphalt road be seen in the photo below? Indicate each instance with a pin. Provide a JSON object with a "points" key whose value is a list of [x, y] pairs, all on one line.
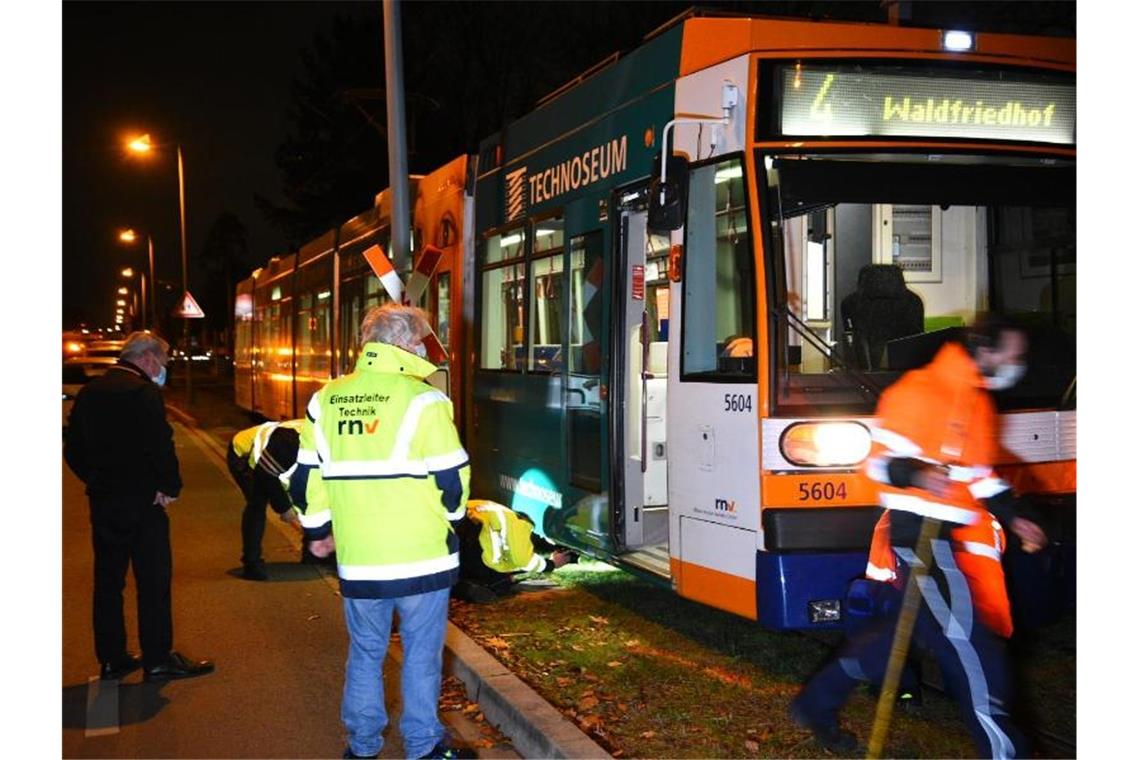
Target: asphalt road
{"points": [[279, 646]]}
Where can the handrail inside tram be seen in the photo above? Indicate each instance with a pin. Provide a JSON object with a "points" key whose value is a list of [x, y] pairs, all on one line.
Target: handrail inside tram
{"points": [[861, 381]]}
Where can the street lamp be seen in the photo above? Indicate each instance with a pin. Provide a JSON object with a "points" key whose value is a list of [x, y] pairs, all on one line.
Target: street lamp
{"points": [[129, 236], [128, 272], [143, 146], [122, 291]]}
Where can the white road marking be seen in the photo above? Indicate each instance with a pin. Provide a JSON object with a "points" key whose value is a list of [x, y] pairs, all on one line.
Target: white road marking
{"points": [[102, 708]]}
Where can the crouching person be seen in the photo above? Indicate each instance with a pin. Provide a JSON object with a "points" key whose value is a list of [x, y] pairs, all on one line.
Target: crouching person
{"points": [[496, 543]]}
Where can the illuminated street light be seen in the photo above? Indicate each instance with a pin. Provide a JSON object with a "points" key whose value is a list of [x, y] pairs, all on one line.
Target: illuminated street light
{"points": [[129, 236], [141, 146], [122, 291], [120, 302], [128, 272]]}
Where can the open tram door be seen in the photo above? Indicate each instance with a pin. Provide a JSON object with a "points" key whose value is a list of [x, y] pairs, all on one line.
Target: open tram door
{"points": [[640, 366]]}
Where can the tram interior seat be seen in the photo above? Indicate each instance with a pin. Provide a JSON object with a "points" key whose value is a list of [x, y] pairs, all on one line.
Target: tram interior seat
{"points": [[881, 309]]}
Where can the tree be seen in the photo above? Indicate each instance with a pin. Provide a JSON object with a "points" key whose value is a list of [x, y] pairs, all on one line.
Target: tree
{"points": [[224, 258]]}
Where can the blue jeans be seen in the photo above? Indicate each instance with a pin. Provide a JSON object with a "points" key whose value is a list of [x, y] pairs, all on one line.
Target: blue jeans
{"points": [[423, 623]]}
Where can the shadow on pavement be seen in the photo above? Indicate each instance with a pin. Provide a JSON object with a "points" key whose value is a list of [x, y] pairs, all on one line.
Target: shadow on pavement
{"points": [[281, 572], [138, 702]]}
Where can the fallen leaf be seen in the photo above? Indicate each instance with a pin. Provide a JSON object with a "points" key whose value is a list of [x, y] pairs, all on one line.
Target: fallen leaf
{"points": [[599, 620], [752, 746], [590, 677], [471, 708], [563, 682], [478, 717], [614, 664], [648, 734], [632, 643], [313, 617], [622, 707], [592, 722], [498, 643], [577, 648], [585, 704]]}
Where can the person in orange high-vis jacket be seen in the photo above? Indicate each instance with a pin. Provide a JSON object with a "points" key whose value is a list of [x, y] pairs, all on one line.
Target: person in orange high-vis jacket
{"points": [[934, 446]]}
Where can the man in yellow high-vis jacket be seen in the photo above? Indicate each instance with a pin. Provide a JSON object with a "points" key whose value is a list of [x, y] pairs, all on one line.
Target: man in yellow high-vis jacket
{"points": [[261, 459], [381, 468]]}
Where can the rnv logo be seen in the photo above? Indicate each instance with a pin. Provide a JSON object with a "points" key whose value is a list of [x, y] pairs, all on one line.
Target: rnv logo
{"points": [[725, 505], [356, 427]]}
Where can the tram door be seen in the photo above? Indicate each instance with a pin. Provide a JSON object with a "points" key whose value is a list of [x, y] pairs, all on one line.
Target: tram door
{"points": [[642, 380]]}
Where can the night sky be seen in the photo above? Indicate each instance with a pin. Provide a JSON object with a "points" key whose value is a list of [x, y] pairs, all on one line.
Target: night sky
{"points": [[213, 77]]}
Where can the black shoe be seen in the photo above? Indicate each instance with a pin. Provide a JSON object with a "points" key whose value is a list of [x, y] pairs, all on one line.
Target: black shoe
{"points": [[124, 666], [254, 573], [828, 734], [443, 752], [348, 753], [177, 666]]}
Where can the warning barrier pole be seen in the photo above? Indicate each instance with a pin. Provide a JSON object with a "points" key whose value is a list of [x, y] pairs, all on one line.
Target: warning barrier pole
{"points": [[904, 629]]}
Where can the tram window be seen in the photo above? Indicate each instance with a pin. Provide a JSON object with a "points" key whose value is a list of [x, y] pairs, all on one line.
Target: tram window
{"points": [[510, 245], [587, 270], [443, 310], [504, 322], [911, 260], [546, 314], [718, 339]]}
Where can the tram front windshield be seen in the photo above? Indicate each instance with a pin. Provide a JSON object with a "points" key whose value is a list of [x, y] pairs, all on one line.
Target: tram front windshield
{"points": [[879, 260]]}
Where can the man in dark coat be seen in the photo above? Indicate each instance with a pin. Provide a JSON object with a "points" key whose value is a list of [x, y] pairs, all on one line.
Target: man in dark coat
{"points": [[121, 446]]}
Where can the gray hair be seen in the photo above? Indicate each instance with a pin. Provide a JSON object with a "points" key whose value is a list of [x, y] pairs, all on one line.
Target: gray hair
{"points": [[140, 343], [394, 324]]}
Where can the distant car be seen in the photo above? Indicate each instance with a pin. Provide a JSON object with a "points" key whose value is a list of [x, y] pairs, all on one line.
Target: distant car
{"points": [[104, 348], [77, 372]]}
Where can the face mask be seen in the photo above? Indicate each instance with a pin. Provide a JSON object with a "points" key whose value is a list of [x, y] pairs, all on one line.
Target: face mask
{"points": [[1005, 377], [160, 380]]}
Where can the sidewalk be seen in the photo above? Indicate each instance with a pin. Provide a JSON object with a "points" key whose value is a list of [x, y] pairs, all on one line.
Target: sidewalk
{"points": [[535, 728]]}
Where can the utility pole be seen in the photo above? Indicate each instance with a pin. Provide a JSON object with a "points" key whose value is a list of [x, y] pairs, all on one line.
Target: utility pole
{"points": [[397, 144]]}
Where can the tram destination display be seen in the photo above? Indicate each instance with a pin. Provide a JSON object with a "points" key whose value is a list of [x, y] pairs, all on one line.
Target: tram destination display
{"points": [[858, 101]]}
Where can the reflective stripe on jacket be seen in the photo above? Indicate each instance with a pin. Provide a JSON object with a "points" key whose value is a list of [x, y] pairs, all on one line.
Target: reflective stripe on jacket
{"points": [[251, 443], [505, 538], [381, 466], [943, 415]]}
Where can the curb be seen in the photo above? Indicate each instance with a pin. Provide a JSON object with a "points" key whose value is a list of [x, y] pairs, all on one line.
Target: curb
{"points": [[535, 727], [182, 416]]}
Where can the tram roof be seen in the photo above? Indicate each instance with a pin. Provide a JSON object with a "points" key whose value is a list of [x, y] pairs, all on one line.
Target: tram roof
{"points": [[692, 43]]}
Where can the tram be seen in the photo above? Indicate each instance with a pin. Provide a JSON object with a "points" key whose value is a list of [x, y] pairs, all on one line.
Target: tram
{"points": [[678, 286]]}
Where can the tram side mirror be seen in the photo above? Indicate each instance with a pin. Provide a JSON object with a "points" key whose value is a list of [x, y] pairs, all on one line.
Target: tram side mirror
{"points": [[668, 198]]}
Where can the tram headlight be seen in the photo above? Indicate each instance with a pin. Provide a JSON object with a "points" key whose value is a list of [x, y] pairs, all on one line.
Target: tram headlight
{"points": [[826, 444], [825, 611]]}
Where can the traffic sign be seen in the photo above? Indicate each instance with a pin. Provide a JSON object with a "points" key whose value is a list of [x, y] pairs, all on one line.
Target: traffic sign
{"points": [[189, 308]]}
